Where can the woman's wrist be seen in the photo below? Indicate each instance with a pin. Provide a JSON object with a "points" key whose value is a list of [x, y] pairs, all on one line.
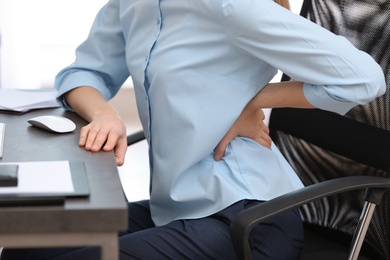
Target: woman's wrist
{"points": [[89, 103]]}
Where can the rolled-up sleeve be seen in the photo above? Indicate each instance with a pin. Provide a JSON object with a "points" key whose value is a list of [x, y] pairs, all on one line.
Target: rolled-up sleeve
{"points": [[336, 75], [100, 59]]}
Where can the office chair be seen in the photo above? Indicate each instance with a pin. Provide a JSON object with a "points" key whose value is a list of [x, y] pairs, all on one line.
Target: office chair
{"points": [[344, 161]]}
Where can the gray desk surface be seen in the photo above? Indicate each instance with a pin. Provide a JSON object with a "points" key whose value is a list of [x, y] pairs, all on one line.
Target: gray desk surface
{"points": [[104, 211]]}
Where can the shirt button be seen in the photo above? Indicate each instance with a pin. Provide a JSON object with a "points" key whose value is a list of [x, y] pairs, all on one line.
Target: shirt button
{"points": [[147, 58], [158, 21]]}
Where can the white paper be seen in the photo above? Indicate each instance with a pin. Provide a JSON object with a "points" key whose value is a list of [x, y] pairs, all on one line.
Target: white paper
{"points": [[42, 177], [23, 100], [2, 135]]}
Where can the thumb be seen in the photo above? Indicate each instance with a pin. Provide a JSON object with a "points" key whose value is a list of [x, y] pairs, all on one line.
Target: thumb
{"points": [[219, 150], [120, 152]]}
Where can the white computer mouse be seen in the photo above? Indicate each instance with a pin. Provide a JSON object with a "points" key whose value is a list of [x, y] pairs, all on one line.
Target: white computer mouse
{"points": [[57, 124]]}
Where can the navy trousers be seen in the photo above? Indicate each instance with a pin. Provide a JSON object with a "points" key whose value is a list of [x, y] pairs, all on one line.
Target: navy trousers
{"points": [[280, 238]]}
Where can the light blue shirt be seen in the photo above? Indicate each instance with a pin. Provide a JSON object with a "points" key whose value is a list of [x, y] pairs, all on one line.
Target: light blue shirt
{"points": [[195, 65]]}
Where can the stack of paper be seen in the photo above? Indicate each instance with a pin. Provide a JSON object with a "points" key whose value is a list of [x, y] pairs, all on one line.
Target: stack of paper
{"points": [[20, 101]]}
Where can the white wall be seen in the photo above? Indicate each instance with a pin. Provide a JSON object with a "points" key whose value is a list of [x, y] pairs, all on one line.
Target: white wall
{"points": [[39, 38]]}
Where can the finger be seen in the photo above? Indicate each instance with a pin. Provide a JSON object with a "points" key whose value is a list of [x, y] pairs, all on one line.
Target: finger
{"points": [[83, 135], [111, 141], [264, 140], [264, 143], [268, 139], [265, 129], [120, 152], [99, 140], [219, 150], [89, 139]]}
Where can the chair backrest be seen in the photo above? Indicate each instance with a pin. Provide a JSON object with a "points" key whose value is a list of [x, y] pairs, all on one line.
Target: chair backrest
{"points": [[322, 145]]}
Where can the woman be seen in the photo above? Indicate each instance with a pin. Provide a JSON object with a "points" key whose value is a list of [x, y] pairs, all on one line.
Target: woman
{"points": [[201, 72]]}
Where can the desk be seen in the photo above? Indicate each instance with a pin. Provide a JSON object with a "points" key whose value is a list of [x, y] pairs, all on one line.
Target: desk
{"points": [[92, 221]]}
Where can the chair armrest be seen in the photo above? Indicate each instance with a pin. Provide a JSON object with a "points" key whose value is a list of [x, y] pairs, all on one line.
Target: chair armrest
{"points": [[245, 221], [135, 137]]}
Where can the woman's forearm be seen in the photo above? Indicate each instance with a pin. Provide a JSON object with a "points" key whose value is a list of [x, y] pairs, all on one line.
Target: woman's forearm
{"points": [[88, 102], [250, 122], [281, 94]]}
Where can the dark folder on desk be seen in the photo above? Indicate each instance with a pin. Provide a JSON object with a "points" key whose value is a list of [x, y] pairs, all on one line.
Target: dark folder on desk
{"points": [[80, 189]]}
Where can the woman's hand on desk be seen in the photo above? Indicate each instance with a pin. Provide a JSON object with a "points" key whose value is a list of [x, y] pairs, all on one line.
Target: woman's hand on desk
{"points": [[107, 132], [106, 129]]}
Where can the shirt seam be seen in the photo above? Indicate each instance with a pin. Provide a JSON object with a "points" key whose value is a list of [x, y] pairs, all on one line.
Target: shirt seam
{"points": [[241, 171]]}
